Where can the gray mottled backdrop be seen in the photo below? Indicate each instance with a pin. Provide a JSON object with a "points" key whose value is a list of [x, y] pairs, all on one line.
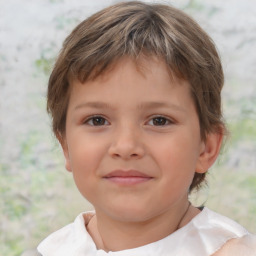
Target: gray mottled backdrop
{"points": [[37, 194]]}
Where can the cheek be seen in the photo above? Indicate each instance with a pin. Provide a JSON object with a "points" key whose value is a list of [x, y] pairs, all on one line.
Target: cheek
{"points": [[85, 155], [177, 159], [177, 153], [85, 159], [177, 175]]}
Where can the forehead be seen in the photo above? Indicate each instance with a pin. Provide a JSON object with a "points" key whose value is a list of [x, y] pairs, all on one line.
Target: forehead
{"points": [[142, 65], [148, 79]]}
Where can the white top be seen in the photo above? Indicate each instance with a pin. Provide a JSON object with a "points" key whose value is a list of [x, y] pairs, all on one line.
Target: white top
{"points": [[206, 233]]}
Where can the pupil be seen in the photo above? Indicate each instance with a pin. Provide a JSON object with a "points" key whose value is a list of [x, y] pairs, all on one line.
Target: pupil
{"points": [[159, 121], [98, 121]]}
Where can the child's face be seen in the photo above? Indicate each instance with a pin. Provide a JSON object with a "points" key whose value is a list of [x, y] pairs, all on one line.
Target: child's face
{"points": [[133, 123]]}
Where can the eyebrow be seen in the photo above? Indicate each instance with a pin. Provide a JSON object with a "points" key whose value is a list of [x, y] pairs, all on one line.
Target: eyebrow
{"points": [[94, 104], [156, 104], [142, 105]]}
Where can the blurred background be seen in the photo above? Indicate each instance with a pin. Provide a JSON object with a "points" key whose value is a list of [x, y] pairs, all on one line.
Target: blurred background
{"points": [[37, 195]]}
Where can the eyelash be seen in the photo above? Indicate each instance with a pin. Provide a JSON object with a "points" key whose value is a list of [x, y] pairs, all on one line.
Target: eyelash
{"points": [[93, 118], [165, 121]]}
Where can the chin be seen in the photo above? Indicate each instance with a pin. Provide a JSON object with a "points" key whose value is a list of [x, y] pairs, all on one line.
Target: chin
{"points": [[130, 213]]}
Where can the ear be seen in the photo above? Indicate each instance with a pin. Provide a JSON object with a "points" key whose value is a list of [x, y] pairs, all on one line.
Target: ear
{"points": [[209, 151], [63, 142]]}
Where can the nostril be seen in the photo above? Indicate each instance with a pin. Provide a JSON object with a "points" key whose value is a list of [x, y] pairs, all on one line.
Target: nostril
{"points": [[126, 146], [125, 152], [123, 155]]}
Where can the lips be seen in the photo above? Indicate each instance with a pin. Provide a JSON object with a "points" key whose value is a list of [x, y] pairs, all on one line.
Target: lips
{"points": [[127, 177]]}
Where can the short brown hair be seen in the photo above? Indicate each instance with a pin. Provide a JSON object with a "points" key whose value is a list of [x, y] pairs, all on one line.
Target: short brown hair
{"points": [[134, 29]]}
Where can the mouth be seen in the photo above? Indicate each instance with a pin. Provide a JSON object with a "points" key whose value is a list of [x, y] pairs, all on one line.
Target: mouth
{"points": [[127, 178]]}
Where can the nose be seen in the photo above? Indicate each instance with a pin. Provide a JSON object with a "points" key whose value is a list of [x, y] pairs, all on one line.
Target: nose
{"points": [[127, 144]]}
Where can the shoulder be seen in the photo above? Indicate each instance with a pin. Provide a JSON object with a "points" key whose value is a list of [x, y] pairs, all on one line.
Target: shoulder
{"points": [[65, 239], [245, 245]]}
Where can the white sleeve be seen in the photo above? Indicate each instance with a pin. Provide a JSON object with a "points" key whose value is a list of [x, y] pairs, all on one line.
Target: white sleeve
{"points": [[245, 245], [32, 252]]}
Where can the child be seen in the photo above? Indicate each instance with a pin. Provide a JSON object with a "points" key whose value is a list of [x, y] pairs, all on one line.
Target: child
{"points": [[135, 103]]}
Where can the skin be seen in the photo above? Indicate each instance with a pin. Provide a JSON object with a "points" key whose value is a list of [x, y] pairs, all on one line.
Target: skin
{"points": [[135, 118]]}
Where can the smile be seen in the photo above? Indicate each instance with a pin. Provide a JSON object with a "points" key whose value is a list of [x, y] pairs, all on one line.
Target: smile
{"points": [[127, 178]]}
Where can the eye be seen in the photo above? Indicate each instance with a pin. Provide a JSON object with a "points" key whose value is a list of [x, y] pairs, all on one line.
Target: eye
{"points": [[96, 121], [160, 121]]}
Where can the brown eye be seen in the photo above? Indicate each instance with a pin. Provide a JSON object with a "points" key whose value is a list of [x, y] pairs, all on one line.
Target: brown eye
{"points": [[97, 121], [158, 121]]}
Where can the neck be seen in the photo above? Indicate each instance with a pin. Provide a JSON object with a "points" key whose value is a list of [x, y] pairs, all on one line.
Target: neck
{"points": [[114, 235]]}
